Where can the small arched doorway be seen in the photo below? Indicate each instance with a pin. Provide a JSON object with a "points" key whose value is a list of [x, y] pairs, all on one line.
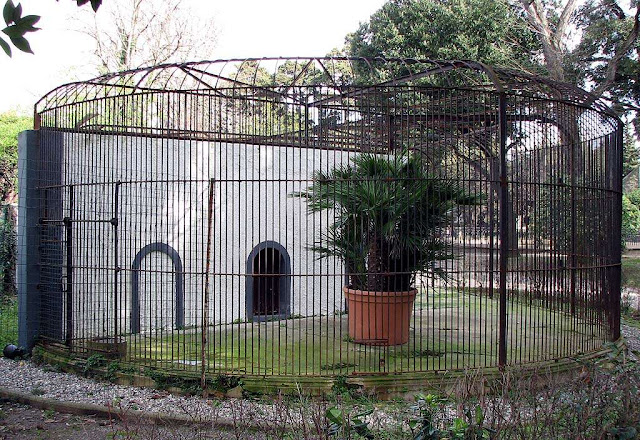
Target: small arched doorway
{"points": [[156, 295], [268, 289]]}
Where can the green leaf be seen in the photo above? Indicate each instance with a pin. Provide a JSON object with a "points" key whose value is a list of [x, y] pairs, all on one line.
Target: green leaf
{"points": [[5, 47], [19, 29], [29, 20], [479, 416], [459, 425], [334, 415], [17, 13], [22, 44], [95, 4], [13, 31], [7, 11]]}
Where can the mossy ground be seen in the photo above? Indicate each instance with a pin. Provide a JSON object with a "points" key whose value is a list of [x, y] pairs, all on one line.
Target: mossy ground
{"points": [[449, 330]]}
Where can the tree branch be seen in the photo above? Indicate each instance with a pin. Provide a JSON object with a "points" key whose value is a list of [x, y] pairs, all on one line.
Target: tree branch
{"points": [[620, 53]]}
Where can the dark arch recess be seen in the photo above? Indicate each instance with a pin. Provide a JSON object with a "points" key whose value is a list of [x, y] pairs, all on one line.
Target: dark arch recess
{"points": [[135, 283], [285, 282]]}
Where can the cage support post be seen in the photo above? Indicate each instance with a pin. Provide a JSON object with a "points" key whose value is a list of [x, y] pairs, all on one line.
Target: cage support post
{"points": [[616, 237], [68, 226], [573, 262], [28, 264], [205, 307], [116, 259], [504, 231]]}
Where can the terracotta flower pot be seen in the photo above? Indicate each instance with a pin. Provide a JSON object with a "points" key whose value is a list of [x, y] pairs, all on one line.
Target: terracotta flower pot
{"points": [[379, 318]]}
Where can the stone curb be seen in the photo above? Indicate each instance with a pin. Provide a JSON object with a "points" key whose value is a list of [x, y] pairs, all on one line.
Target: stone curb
{"points": [[101, 411]]}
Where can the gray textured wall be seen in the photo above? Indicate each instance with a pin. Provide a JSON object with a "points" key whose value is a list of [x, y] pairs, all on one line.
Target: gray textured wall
{"points": [[251, 205]]}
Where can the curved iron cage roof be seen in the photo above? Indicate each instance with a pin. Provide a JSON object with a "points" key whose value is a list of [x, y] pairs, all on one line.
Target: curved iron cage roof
{"points": [[175, 154], [343, 77]]}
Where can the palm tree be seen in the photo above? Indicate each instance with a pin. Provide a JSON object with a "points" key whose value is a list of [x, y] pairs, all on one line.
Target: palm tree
{"points": [[389, 212]]}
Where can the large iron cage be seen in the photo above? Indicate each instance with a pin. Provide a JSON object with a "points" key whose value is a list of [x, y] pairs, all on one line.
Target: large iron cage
{"points": [[166, 226]]}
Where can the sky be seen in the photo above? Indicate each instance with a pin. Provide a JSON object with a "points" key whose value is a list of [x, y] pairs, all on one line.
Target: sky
{"points": [[246, 28]]}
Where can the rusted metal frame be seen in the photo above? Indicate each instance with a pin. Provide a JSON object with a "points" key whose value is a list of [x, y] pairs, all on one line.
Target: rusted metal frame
{"points": [[504, 231], [268, 91], [442, 67], [560, 89], [201, 81], [326, 71], [297, 77]]}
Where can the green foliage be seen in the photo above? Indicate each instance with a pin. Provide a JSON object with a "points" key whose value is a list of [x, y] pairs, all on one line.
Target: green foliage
{"points": [[342, 423], [8, 321], [191, 385], [629, 154], [8, 254], [18, 25], [630, 219], [488, 31], [634, 197], [388, 212], [631, 272], [93, 362], [604, 27], [429, 422], [341, 387], [10, 125]]}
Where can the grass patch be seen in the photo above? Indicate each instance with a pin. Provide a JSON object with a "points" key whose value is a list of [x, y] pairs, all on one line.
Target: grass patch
{"points": [[457, 330], [631, 272], [8, 321]]}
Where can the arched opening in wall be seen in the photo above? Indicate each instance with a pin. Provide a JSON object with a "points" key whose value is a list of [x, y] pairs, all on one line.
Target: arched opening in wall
{"points": [[268, 294], [157, 289]]}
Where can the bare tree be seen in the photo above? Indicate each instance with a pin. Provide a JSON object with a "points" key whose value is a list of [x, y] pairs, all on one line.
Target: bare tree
{"points": [[135, 33], [552, 23]]}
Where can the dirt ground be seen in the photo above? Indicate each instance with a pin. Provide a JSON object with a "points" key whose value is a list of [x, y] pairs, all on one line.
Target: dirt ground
{"points": [[22, 422]]}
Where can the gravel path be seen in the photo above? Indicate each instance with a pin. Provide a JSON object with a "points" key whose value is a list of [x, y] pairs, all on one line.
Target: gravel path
{"points": [[39, 381], [632, 335], [31, 379]]}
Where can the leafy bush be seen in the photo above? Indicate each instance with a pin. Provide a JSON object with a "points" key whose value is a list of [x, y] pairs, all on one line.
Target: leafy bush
{"points": [[8, 253], [634, 197], [630, 218], [389, 215], [10, 125]]}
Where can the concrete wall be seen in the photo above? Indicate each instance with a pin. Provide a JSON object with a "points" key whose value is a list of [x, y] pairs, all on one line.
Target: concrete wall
{"points": [[157, 190]]}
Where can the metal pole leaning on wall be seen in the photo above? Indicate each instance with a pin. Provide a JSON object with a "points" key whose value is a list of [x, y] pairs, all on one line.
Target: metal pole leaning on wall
{"points": [[205, 307], [28, 267], [504, 231], [68, 225], [616, 237]]}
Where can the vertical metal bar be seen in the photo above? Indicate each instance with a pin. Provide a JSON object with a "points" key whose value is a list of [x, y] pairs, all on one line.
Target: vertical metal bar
{"points": [[616, 238], [504, 230], [205, 307], [573, 167], [69, 269], [116, 269]]}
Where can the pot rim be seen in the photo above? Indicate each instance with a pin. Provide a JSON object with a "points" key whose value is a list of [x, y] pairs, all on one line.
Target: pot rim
{"points": [[348, 290]]}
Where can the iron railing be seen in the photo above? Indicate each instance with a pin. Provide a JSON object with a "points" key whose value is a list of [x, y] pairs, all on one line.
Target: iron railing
{"points": [[171, 229]]}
